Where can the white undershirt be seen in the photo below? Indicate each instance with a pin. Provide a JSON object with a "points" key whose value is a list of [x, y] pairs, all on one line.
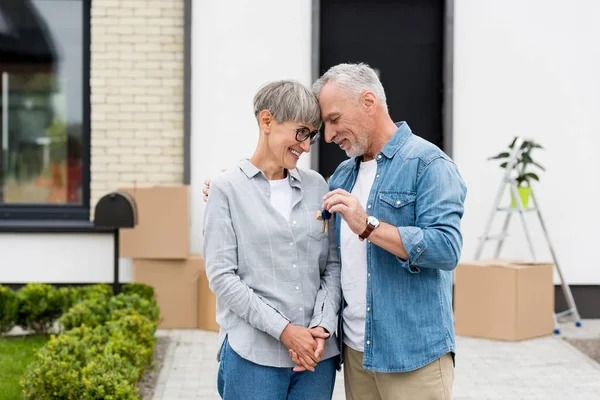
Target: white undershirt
{"points": [[354, 265], [281, 196]]}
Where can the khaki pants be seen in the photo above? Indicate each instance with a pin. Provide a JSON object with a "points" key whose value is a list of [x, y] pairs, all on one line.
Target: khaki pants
{"points": [[431, 382]]}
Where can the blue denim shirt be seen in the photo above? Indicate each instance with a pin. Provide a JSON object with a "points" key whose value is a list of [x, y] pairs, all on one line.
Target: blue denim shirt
{"points": [[418, 189]]}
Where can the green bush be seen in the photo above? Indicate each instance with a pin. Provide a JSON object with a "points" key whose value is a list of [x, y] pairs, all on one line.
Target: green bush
{"points": [[143, 290], [144, 307], [110, 377], [97, 311], [101, 362], [75, 295], [132, 337], [9, 306], [106, 345], [91, 312], [40, 305]]}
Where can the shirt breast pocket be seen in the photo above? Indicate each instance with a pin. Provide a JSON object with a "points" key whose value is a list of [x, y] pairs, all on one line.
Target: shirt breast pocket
{"points": [[315, 227], [397, 208]]}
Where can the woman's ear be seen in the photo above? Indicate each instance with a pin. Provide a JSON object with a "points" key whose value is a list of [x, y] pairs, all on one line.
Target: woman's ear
{"points": [[265, 121]]}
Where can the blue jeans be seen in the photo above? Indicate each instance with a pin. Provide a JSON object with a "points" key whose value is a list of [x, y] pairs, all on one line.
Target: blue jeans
{"points": [[241, 379]]}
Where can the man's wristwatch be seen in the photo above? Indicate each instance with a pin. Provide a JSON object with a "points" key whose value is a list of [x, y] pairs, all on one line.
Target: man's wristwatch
{"points": [[372, 223]]}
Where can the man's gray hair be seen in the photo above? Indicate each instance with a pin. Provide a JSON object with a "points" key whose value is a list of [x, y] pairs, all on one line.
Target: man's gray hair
{"points": [[354, 80], [288, 100]]}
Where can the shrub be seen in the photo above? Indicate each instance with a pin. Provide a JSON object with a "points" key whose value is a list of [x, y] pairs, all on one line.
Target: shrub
{"points": [[40, 305], [143, 290], [132, 337], [9, 307], [91, 312], [144, 307], [106, 346], [109, 377]]}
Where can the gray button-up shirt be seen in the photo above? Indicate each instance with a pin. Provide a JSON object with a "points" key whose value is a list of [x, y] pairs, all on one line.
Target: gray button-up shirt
{"points": [[267, 271]]}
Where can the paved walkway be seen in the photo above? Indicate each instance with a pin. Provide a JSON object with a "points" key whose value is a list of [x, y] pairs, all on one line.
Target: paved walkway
{"points": [[546, 368]]}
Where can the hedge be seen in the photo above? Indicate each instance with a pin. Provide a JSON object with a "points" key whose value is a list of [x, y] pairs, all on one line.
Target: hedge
{"points": [[105, 342]]}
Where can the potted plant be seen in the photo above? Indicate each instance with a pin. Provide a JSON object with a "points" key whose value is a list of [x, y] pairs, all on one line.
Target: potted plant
{"points": [[522, 167]]}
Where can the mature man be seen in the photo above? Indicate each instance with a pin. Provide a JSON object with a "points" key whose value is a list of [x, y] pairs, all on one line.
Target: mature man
{"points": [[401, 200], [405, 197]]}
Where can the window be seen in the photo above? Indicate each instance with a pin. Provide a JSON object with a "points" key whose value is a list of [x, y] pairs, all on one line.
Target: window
{"points": [[44, 109]]}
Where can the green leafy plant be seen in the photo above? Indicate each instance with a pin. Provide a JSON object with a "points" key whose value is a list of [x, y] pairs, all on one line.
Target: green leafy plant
{"points": [[9, 306], [40, 305], [91, 312], [141, 289], [524, 161], [142, 306], [102, 361]]}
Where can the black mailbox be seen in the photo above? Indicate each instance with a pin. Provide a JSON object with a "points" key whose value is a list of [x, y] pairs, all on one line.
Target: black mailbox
{"points": [[116, 211]]}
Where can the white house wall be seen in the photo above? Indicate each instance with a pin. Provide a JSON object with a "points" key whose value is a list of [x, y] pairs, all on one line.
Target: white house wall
{"points": [[531, 68], [59, 258], [236, 47]]}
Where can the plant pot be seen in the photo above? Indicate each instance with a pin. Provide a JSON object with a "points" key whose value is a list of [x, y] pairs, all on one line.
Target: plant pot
{"points": [[524, 193]]}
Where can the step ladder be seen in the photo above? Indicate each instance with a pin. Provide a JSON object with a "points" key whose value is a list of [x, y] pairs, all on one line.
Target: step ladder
{"points": [[507, 180]]}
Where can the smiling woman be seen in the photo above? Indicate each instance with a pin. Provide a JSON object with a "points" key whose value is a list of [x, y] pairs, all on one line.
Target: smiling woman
{"points": [[273, 268]]}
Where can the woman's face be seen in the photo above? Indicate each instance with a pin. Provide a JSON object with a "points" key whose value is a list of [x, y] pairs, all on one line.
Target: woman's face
{"points": [[285, 149]]}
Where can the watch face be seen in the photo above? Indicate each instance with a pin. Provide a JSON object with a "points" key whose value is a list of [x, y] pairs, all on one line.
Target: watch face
{"points": [[373, 221]]}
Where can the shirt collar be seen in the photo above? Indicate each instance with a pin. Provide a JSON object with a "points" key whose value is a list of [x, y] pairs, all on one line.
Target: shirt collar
{"points": [[251, 170], [394, 144]]}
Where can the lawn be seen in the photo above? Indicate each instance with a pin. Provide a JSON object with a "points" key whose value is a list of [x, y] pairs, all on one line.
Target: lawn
{"points": [[15, 354]]}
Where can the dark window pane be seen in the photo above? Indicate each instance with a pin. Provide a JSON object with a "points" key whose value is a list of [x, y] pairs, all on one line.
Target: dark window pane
{"points": [[41, 65]]}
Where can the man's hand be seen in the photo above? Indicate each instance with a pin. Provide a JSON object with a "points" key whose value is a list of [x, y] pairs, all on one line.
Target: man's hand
{"points": [[206, 187], [320, 334], [349, 207]]}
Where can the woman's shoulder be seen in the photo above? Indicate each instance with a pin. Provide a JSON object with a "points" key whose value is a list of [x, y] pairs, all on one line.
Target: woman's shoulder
{"points": [[311, 176], [227, 179], [311, 179]]}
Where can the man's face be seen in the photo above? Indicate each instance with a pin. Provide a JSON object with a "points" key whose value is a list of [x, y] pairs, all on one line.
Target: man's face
{"points": [[346, 123]]}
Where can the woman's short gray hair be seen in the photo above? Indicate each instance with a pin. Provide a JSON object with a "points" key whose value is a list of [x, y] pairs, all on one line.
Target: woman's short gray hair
{"points": [[288, 100], [353, 79]]}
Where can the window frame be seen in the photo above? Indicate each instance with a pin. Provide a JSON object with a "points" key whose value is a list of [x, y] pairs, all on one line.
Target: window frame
{"points": [[67, 212]]}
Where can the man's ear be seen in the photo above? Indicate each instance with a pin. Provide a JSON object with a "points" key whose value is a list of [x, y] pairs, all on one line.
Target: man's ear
{"points": [[368, 101], [265, 121]]}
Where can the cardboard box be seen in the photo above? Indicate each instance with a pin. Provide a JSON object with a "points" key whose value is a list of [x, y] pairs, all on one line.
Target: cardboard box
{"points": [[163, 230], [504, 299], [207, 305], [176, 285]]}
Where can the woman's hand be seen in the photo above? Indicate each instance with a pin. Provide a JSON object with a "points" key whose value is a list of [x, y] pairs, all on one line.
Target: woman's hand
{"points": [[303, 343], [319, 334]]}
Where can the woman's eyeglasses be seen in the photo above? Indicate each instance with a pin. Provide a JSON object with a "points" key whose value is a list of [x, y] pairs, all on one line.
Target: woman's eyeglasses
{"points": [[304, 133]]}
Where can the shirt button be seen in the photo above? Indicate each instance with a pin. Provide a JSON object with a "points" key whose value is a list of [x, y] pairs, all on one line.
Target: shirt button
{"points": [[300, 309], [297, 287], [369, 206], [291, 243], [418, 249], [398, 202], [294, 222], [379, 157], [368, 342], [293, 265], [368, 308], [369, 275], [377, 176]]}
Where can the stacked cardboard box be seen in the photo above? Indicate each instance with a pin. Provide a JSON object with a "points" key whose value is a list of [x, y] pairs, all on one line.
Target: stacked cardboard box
{"points": [[504, 299], [160, 249]]}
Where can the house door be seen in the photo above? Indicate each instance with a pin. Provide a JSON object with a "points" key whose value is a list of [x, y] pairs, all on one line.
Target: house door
{"points": [[403, 41]]}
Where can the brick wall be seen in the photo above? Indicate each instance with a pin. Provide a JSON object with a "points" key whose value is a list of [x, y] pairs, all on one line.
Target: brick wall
{"points": [[136, 93]]}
